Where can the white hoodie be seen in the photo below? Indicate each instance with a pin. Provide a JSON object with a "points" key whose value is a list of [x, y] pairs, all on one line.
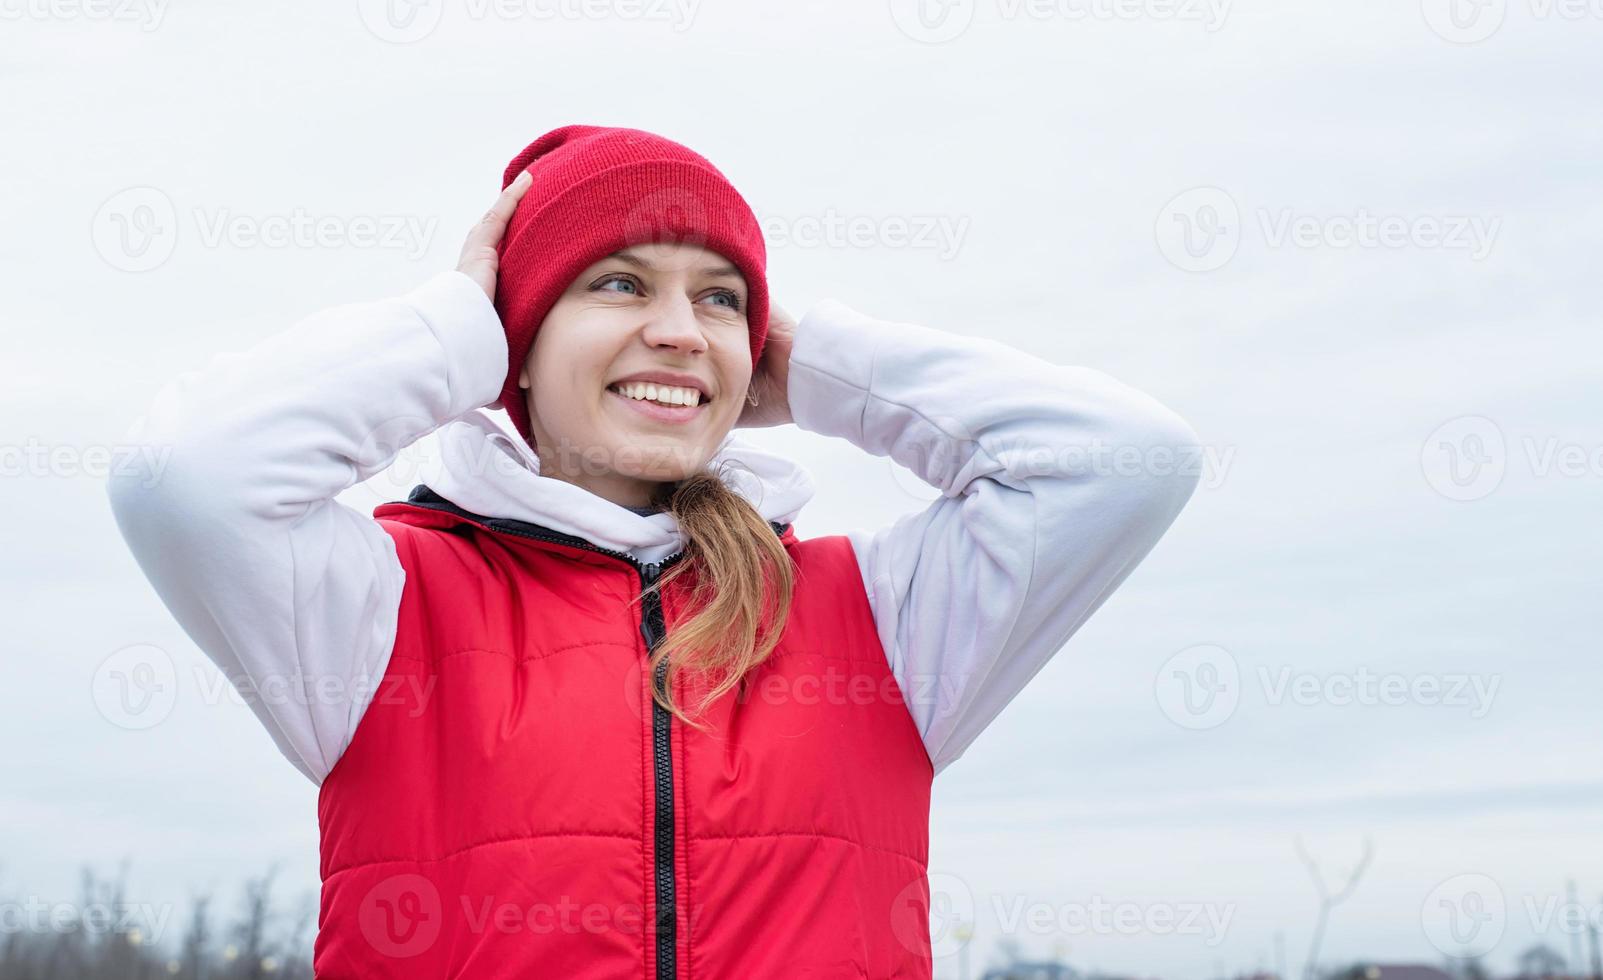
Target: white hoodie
{"points": [[1055, 482]]}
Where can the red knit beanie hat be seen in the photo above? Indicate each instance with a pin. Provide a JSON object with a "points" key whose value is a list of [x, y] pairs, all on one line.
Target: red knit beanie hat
{"points": [[598, 189]]}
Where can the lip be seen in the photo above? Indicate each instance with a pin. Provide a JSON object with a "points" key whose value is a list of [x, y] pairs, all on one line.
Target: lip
{"points": [[661, 413]]}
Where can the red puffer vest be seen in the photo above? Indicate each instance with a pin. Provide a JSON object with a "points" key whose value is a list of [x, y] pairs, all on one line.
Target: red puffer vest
{"points": [[515, 804]]}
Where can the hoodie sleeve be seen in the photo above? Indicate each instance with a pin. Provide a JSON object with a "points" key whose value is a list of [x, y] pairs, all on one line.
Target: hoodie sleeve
{"points": [[1055, 482], [293, 595]]}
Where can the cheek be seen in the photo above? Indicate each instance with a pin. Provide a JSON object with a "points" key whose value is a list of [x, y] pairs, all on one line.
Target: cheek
{"points": [[567, 401], [735, 367]]}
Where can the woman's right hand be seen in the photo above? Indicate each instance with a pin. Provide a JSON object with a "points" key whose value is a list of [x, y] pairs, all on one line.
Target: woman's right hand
{"points": [[480, 258]]}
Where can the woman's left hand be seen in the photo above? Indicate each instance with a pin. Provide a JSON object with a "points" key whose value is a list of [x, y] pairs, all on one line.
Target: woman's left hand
{"points": [[771, 381]]}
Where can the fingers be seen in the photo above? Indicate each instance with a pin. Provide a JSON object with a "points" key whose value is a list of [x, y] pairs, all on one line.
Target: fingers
{"points": [[494, 223]]}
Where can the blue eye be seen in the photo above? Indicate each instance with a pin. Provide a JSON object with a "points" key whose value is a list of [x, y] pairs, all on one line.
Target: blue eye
{"points": [[626, 280], [731, 296]]}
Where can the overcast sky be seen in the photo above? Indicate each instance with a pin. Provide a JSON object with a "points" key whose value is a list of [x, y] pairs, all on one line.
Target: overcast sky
{"points": [[1353, 242]]}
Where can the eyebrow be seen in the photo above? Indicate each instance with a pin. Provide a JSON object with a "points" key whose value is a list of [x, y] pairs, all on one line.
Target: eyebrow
{"points": [[639, 263]]}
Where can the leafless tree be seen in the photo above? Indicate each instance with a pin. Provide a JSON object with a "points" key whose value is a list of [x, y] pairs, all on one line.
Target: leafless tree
{"points": [[1329, 899]]}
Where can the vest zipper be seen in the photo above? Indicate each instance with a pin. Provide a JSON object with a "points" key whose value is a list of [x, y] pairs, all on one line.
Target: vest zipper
{"points": [[652, 629]]}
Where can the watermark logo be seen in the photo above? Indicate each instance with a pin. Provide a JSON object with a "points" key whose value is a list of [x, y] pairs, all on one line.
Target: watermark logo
{"points": [[410, 21], [1464, 916], [136, 229], [147, 14], [1464, 21], [1199, 230], [401, 21], [1202, 229], [1371, 688], [397, 454], [926, 472], [137, 922], [401, 915], [1199, 687], [943, 456], [939, 21], [1465, 458], [942, 234], [932, 21], [951, 911], [1103, 917], [143, 465], [135, 687], [666, 218], [406, 692]]}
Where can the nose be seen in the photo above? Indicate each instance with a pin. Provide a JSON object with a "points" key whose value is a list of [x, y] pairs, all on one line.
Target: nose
{"points": [[673, 324]]}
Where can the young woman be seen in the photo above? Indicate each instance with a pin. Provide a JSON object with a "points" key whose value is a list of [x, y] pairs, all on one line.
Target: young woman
{"points": [[586, 705]]}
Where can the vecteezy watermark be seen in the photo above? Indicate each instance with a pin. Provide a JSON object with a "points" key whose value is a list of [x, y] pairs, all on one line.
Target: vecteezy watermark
{"points": [[140, 922], [144, 464], [839, 686], [1201, 229], [1201, 686], [939, 21], [147, 15], [1284, 685], [138, 229], [953, 908], [1466, 458], [138, 686], [409, 21], [941, 233], [1360, 229], [1208, 921], [1466, 916], [402, 916], [933, 913], [1464, 21], [564, 915], [398, 453], [923, 471], [135, 687], [409, 692], [1473, 21], [800, 681]]}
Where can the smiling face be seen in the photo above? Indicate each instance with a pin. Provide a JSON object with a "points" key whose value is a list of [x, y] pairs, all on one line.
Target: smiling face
{"points": [[639, 370]]}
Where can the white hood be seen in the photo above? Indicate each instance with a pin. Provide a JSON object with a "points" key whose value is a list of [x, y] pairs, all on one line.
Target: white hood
{"points": [[483, 467]]}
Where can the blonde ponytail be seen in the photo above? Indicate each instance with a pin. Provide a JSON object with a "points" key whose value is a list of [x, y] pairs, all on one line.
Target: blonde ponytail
{"points": [[737, 560]]}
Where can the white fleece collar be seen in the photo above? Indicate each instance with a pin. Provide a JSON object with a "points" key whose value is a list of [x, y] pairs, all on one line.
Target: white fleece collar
{"points": [[484, 468]]}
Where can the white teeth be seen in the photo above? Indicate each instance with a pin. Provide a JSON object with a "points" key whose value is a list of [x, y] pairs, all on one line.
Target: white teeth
{"points": [[662, 394]]}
